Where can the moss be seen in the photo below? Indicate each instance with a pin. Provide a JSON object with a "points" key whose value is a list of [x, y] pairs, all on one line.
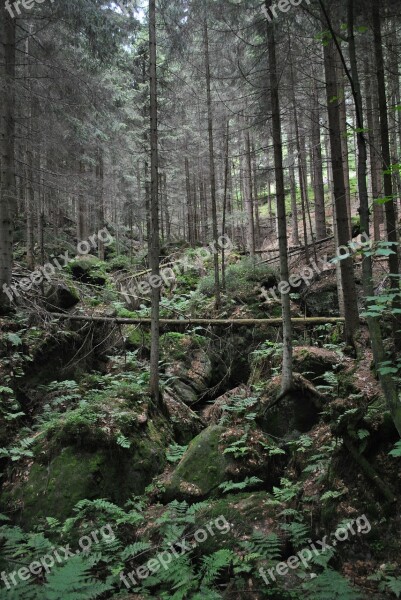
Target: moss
{"points": [[244, 512], [51, 489], [136, 338], [88, 269], [178, 345], [202, 468]]}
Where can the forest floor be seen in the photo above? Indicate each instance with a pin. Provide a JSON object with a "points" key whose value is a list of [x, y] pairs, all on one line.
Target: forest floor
{"points": [[230, 494]]}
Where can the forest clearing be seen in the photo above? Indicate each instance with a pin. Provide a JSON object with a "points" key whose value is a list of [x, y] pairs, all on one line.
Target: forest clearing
{"points": [[200, 301]]}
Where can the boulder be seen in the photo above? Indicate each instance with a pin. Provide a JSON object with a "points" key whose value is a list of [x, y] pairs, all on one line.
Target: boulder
{"points": [[61, 297], [186, 423], [202, 468]]}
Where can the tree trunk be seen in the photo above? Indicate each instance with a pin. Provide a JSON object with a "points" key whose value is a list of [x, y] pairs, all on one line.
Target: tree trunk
{"points": [[287, 374], [347, 268], [7, 168], [387, 381], [388, 181], [212, 165], [318, 184], [154, 242]]}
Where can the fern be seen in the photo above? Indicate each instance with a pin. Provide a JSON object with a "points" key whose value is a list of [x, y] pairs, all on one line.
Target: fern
{"points": [[396, 452], [330, 585], [394, 585], [229, 486], [266, 546], [72, 581], [212, 565], [134, 549], [175, 453], [287, 492], [299, 533]]}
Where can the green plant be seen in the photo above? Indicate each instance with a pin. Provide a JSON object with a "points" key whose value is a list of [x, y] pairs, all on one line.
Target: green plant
{"points": [[396, 452], [288, 490], [229, 486], [175, 453], [330, 585]]}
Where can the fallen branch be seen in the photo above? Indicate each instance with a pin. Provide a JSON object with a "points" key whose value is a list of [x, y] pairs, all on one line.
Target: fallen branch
{"points": [[214, 322]]}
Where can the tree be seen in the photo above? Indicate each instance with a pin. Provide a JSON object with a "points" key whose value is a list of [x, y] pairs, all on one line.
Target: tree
{"points": [[287, 374], [7, 168], [351, 313], [154, 241]]}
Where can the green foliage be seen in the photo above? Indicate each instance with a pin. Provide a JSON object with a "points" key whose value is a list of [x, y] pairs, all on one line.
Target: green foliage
{"points": [[299, 533], [175, 453], [229, 486], [23, 450], [288, 490], [72, 581], [239, 448], [264, 546], [387, 581], [330, 585], [239, 406], [243, 280], [212, 565], [396, 452]]}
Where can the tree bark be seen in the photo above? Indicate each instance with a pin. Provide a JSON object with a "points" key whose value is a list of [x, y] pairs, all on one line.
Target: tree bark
{"points": [[7, 167], [212, 164], [287, 373], [347, 271], [154, 242]]}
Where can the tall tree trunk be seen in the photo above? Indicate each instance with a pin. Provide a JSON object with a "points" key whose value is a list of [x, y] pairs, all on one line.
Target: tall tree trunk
{"points": [[347, 268], [318, 184], [387, 382], [372, 112], [7, 168], [212, 165], [287, 374], [388, 181], [293, 187], [248, 190], [226, 174], [154, 242]]}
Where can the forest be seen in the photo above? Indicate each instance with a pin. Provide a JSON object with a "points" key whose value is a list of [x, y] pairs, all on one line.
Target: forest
{"points": [[200, 299]]}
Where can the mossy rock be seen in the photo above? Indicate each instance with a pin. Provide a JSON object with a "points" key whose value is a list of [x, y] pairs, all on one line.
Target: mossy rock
{"points": [[202, 468], [185, 422], [88, 269], [52, 487], [245, 513], [321, 300], [62, 297], [297, 412]]}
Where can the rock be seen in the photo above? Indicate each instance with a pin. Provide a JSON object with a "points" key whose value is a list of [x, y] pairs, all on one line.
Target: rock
{"points": [[202, 468], [53, 484], [213, 413], [321, 300], [311, 362], [298, 412], [188, 364], [88, 269], [186, 423], [61, 297]]}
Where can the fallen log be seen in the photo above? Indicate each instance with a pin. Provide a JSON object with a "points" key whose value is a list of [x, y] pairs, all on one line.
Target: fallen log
{"points": [[206, 322]]}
